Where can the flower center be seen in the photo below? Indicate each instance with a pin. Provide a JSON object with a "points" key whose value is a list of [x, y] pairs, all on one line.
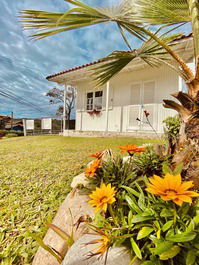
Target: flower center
{"points": [[103, 199], [170, 191]]}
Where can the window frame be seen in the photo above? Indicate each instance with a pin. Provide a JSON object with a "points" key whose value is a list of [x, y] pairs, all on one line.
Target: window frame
{"points": [[94, 100]]}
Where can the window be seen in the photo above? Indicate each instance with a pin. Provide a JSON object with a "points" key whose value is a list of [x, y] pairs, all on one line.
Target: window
{"points": [[98, 100], [149, 92], [143, 93], [94, 100], [89, 102], [136, 94]]}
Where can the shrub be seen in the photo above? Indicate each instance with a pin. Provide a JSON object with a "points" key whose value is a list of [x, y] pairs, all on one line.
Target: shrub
{"points": [[161, 229], [2, 133], [9, 135], [114, 171], [148, 163], [18, 133], [157, 221], [172, 127]]}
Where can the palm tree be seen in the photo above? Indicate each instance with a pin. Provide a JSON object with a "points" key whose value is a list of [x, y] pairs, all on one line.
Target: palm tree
{"points": [[137, 17]]}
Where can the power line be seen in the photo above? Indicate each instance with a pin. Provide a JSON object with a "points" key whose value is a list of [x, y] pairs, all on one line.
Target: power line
{"points": [[18, 100], [23, 98]]}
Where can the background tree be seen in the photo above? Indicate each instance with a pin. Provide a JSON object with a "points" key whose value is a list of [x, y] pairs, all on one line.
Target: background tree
{"points": [[56, 96], [138, 17]]}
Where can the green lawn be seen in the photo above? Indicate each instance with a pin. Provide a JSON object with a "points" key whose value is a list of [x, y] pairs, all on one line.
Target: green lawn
{"points": [[35, 176]]}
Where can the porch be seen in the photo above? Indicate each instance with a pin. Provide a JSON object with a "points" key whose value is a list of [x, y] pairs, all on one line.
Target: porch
{"points": [[130, 118]]}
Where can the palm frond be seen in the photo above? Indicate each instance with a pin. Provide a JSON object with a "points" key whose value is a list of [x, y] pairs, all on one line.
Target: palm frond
{"points": [[156, 12], [150, 52], [49, 23]]}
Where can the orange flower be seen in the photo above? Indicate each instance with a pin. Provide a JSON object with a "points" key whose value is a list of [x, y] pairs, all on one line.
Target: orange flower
{"points": [[132, 149], [97, 155], [102, 196], [104, 244], [91, 170], [171, 188]]}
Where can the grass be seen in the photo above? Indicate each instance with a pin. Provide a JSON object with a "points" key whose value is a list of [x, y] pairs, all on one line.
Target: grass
{"points": [[35, 176]]}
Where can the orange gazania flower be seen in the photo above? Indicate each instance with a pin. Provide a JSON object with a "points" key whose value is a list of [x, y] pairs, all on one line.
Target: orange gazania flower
{"points": [[91, 170], [171, 188], [104, 244], [97, 155], [102, 196], [132, 149]]}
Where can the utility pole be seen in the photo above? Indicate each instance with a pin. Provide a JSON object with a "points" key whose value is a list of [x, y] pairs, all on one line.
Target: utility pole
{"points": [[11, 120], [64, 112]]}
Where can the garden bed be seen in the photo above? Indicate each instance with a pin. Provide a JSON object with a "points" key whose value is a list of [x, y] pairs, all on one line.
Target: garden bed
{"points": [[35, 178]]}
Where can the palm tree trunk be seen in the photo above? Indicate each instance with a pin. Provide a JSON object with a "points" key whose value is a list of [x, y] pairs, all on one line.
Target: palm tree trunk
{"points": [[194, 12]]}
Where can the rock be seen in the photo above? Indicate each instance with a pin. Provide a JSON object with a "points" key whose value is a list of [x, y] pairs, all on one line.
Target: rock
{"points": [[126, 159], [79, 179], [75, 205], [77, 254]]}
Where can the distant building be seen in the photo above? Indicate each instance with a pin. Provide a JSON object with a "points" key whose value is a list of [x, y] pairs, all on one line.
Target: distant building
{"points": [[3, 121], [15, 126]]}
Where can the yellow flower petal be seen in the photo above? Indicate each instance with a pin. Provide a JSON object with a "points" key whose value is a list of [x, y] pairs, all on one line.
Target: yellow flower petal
{"points": [[102, 196], [171, 188]]}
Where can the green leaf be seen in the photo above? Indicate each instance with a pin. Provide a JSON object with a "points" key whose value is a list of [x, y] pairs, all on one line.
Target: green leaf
{"points": [[144, 232], [161, 247], [170, 253], [131, 191], [196, 219], [166, 213], [130, 216], [167, 225], [147, 263], [139, 218], [166, 169], [178, 169], [141, 201], [191, 226], [183, 237], [47, 248], [69, 239], [136, 249], [133, 205], [191, 257]]}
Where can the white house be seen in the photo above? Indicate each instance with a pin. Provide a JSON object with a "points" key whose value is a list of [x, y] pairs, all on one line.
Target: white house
{"points": [[116, 106]]}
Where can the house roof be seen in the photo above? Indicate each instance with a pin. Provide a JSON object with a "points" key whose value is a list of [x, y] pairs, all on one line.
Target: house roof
{"points": [[2, 117], [101, 60]]}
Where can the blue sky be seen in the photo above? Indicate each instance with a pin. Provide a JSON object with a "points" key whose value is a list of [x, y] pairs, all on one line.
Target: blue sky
{"points": [[24, 63]]}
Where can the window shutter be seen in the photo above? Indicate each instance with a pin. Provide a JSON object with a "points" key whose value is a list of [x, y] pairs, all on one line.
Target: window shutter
{"points": [[135, 94], [149, 92]]}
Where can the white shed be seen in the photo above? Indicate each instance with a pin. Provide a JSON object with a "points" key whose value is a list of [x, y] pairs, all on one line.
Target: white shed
{"points": [[119, 105]]}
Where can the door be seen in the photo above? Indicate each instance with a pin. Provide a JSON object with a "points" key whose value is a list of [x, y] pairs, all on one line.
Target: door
{"points": [[135, 108], [148, 105], [142, 98]]}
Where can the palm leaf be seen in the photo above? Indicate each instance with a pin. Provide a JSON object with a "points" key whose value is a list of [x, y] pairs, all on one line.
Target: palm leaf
{"points": [[158, 12], [150, 52], [132, 16], [49, 23]]}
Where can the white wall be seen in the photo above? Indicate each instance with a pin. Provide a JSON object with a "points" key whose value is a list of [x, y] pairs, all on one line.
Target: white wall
{"points": [[166, 82]]}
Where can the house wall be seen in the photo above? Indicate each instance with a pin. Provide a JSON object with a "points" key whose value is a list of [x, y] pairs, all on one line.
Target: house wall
{"points": [[120, 98]]}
